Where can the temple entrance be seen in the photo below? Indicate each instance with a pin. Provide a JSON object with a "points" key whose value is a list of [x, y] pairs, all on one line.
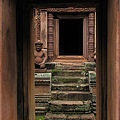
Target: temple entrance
{"points": [[101, 48], [71, 37], [66, 33], [68, 84]]}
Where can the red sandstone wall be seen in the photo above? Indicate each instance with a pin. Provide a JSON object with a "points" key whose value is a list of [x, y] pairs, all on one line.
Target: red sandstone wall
{"points": [[8, 64], [113, 59]]}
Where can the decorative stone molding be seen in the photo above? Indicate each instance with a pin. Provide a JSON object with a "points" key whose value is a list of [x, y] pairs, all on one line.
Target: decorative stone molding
{"points": [[38, 23], [50, 35], [44, 29], [91, 35], [71, 9]]}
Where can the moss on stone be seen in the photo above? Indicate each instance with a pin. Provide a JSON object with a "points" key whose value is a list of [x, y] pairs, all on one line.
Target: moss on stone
{"points": [[39, 118]]}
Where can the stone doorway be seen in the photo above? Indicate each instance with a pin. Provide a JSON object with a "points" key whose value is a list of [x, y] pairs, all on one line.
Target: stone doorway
{"points": [[101, 48], [59, 28]]}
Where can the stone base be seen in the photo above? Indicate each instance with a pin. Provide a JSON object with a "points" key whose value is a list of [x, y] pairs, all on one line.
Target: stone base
{"points": [[69, 106], [70, 87], [41, 70], [50, 116], [71, 95]]}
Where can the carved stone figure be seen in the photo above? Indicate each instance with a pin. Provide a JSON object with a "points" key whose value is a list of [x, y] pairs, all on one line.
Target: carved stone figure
{"points": [[40, 55]]}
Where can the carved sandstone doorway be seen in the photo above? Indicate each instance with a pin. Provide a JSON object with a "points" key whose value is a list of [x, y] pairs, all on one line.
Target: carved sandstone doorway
{"points": [[67, 33]]}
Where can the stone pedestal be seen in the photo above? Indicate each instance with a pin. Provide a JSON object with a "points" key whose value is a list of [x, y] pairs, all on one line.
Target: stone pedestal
{"points": [[42, 90]]}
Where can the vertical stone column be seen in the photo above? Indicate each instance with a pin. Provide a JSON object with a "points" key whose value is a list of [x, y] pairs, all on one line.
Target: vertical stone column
{"points": [[8, 61], [50, 36], [43, 29], [35, 24], [38, 27], [113, 61], [91, 35]]}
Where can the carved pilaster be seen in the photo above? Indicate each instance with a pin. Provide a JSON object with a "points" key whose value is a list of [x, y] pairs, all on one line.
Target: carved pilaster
{"points": [[35, 24], [43, 29], [91, 35], [50, 36], [38, 23]]}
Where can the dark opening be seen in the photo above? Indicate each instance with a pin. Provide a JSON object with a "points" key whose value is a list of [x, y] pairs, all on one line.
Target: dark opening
{"points": [[71, 37]]}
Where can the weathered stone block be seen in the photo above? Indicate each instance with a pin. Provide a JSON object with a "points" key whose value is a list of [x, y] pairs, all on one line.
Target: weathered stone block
{"points": [[69, 79], [90, 65], [42, 82], [41, 110], [70, 106], [50, 116], [49, 65], [70, 87], [81, 73], [70, 67], [71, 95], [42, 89], [92, 78]]}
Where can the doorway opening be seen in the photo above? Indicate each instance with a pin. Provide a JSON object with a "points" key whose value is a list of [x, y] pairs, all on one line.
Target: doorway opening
{"points": [[71, 37]]}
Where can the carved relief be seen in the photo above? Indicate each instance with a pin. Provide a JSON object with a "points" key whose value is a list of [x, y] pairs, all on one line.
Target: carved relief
{"points": [[45, 27], [71, 9], [43, 30], [50, 35], [91, 35], [38, 23]]}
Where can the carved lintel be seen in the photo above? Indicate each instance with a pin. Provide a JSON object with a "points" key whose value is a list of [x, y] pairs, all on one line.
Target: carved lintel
{"points": [[71, 9]]}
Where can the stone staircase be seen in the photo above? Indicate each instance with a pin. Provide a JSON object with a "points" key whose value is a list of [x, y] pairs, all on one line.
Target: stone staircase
{"points": [[71, 92]]}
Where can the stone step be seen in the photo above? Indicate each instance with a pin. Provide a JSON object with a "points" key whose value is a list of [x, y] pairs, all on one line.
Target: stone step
{"points": [[92, 78], [40, 82], [41, 110], [70, 60], [41, 104], [70, 79], [42, 98], [50, 116], [59, 106], [80, 73], [60, 65], [71, 95], [90, 65], [70, 87], [70, 67], [94, 98], [43, 95]]}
